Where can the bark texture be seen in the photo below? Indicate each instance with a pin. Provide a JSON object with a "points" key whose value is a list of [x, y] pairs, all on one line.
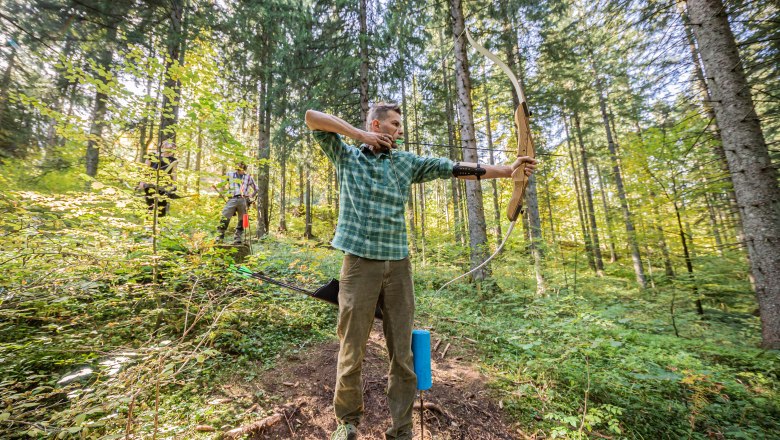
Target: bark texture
{"points": [[454, 185], [754, 178], [476, 212]]}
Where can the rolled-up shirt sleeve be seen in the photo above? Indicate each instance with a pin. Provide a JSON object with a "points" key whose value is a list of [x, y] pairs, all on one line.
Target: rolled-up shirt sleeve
{"points": [[430, 168]]}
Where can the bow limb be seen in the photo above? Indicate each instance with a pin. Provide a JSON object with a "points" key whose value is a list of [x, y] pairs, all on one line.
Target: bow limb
{"points": [[525, 145], [515, 83]]}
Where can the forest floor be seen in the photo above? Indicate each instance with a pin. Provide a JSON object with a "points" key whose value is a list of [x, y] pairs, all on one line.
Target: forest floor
{"points": [[460, 405]]}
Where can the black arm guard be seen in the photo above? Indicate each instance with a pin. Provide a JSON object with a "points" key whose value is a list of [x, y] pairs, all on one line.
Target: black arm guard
{"points": [[462, 170]]}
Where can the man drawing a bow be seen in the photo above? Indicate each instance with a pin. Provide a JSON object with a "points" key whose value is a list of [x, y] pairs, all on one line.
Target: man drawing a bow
{"points": [[375, 181]]}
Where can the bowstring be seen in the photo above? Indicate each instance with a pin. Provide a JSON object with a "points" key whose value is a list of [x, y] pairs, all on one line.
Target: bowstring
{"points": [[500, 247]]}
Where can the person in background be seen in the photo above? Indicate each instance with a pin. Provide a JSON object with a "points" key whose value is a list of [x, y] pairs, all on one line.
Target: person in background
{"points": [[375, 180], [163, 189], [239, 184]]}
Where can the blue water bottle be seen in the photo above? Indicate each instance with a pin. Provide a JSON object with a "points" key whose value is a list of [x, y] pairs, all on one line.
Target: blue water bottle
{"points": [[421, 350]]}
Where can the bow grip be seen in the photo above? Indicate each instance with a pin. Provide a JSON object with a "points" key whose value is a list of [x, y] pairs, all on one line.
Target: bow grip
{"points": [[515, 206]]}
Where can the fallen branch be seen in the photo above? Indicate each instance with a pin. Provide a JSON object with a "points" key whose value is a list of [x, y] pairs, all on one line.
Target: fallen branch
{"points": [[276, 417], [444, 353], [430, 406]]}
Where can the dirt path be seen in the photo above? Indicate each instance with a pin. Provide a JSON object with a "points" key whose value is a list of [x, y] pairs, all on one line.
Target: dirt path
{"points": [[458, 406]]}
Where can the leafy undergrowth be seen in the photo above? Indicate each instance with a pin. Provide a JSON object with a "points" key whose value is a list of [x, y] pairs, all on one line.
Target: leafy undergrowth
{"points": [[100, 337], [606, 362]]}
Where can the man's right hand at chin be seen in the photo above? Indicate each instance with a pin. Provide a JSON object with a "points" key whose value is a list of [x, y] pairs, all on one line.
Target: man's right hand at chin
{"points": [[381, 141]]}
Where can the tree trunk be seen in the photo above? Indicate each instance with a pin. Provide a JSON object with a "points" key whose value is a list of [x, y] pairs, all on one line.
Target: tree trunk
{"points": [[148, 108], [421, 186], [198, 157], [588, 194], [264, 143], [410, 201], [687, 224], [364, 38], [553, 235], [548, 200], [283, 189], [301, 187], [706, 102], [307, 233], [476, 212], [648, 252], [454, 184], [153, 113], [461, 184], [630, 233], [99, 106], [686, 251], [412, 209], [535, 231], [658, 221], [612, 254], [580, 210], [9, 68], [493, 183], [462, 207], [403, 104], [754, 177], [175, 41], [668, 269], [714, 224], [532, 222], [6, 84]]}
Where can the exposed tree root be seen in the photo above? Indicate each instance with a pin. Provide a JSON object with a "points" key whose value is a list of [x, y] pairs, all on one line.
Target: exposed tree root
{"points": [[430, 406]]}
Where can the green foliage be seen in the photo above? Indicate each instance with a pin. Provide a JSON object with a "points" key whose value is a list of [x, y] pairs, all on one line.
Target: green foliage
{"points": [[85, 297], [606, 361]]}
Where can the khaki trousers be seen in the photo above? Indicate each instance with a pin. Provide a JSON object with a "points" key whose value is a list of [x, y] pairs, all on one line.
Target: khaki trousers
{"points": [[234, 205], [363, 284]]}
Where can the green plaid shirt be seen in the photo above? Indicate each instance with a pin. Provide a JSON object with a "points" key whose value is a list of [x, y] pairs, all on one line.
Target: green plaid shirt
{"points": [[374, 190]]}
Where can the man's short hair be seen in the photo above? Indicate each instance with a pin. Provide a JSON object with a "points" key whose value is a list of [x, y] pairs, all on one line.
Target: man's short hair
{"points": [[241, 166], [380, 110]]}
